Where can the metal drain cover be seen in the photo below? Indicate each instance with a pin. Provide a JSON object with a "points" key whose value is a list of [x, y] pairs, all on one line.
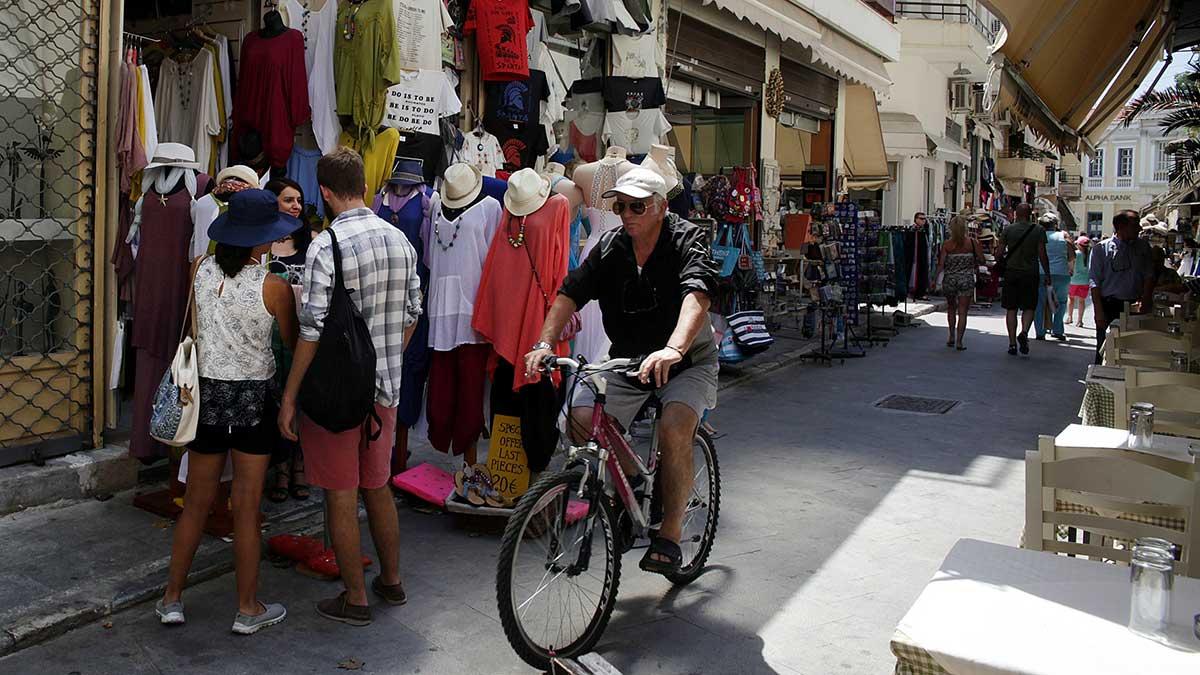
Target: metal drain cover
{"points": [[916, 404]]}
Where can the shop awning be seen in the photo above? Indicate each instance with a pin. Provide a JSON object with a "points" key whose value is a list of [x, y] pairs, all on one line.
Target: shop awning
{"points": [[903, 136], [947, 150], [865, 162], [1060, 56], [776, 16], [851, 60]]}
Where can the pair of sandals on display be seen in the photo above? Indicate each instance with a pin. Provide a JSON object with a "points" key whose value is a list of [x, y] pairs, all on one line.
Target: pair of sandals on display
{"points": [[474, 485]]}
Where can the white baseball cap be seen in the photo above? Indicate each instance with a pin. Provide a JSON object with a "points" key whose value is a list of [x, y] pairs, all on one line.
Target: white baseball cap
{"points": [[638, 183]]}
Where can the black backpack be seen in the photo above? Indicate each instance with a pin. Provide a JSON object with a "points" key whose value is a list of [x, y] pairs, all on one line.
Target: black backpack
{"points": [[338, 391]]}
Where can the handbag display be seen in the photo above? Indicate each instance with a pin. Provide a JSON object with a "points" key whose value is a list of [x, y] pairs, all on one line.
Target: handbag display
{"points": [[724, 253], [175, 413], [749, 331]]}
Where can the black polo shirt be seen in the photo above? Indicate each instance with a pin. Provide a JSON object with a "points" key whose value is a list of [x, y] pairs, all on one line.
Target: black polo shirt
{"points": [[642, 309]]}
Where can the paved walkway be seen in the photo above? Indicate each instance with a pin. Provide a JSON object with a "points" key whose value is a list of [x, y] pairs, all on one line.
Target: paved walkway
{"points": [[835, 514]]}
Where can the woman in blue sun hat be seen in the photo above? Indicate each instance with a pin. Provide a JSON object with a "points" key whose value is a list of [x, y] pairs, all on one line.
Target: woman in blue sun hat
{"points": [[238, 304]]}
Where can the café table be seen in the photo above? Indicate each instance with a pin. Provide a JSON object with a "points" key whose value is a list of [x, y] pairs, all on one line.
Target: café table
{"points": [[1102, 387], [992, 609]]}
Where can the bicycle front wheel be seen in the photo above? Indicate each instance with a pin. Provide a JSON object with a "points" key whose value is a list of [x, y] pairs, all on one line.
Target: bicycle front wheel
{"points": [[556, 580]]}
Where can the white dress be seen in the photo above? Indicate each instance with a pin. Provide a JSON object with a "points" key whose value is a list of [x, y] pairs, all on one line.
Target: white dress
{"points": [[591, 341], [185, 105], [455, 252], [320, 29]]}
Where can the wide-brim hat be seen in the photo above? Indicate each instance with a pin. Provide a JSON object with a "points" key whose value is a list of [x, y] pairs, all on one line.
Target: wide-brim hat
{"points": [[173, 154], [527, 192], [669, 176], [461, 185], [408, 171], [252, 219]]}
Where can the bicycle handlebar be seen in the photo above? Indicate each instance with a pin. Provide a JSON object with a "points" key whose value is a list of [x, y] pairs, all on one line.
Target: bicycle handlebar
{"points": [[554, 362]]}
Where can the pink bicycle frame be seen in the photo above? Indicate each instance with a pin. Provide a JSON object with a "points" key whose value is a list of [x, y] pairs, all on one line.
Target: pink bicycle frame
{"points": [[606, 434]]}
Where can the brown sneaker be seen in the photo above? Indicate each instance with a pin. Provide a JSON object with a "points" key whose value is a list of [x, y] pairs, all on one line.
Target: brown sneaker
{"points": [[340, 609], [392, 595]]}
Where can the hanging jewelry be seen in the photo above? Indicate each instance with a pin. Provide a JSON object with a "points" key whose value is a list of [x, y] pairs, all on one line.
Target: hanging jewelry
{"points": [[350, 24], [520, 240], [437, 234]]}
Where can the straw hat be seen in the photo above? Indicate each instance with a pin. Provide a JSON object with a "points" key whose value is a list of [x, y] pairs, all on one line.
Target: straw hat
{"points": [[461, 185], [240, 172], [174, 154], [527, 192]]}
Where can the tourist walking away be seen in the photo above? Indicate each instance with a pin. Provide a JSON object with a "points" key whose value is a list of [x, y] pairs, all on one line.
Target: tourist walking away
{"points": [[654, 279], [1077, 294], [959, 258], [237, 304], [1121, 270], [376, 271], [287, 261], [1052, 299], [1024, 246]]}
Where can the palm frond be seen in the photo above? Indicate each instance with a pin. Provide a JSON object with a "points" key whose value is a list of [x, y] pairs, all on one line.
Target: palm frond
{"points": [[1183, 95], [1186, 153], [1183, 118]]}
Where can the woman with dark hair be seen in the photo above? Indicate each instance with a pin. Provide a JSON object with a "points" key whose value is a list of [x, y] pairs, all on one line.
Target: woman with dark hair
{"points": [[238, 304], [287, 261]]}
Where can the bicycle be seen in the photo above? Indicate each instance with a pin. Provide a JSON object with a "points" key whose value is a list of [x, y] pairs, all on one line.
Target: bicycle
{"points": [[549, 558]]}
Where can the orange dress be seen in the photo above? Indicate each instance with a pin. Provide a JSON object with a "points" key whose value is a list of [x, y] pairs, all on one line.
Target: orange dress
{"points": [[510, 309]]}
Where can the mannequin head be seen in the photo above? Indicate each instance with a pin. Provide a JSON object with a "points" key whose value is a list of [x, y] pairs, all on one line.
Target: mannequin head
{"points": [[342, 179], [616, 152]]}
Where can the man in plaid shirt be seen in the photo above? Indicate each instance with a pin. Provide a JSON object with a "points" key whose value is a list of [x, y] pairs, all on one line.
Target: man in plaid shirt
{"points": [[380, 266]]}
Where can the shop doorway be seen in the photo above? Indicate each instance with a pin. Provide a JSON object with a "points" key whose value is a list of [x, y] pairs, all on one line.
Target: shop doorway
{"points": [[927, 183], [48, 93]]}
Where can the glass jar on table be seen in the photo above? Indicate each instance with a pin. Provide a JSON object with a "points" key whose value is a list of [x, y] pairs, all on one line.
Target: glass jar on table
{"points": [[1141, 426], [1151, 578]]}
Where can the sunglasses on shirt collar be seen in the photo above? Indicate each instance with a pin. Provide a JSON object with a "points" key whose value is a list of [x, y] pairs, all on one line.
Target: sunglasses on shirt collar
{"points": [[636, 208]]}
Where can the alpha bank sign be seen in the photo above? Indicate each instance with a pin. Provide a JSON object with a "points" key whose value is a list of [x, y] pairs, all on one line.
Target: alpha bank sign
{"points": [[1109, 197]]}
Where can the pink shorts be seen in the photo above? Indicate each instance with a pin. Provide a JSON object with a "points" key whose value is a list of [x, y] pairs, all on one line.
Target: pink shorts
{"points": [[347, 460], [1079, 291]]}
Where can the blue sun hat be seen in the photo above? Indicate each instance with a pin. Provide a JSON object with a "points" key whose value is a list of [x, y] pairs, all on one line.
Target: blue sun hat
{"points": [[252, 219]]}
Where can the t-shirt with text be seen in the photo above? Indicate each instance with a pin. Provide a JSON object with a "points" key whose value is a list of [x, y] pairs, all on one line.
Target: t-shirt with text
{"points": [[419, 100], [515, 101], [419, 28], [500, 26]]}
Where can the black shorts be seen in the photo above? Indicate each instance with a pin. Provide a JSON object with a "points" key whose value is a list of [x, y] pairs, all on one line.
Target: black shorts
{"points": [[1020, 291], [260, 439]]}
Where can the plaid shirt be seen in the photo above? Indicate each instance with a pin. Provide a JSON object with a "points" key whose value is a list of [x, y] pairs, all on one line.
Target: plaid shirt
{"points": [[379, 266]]}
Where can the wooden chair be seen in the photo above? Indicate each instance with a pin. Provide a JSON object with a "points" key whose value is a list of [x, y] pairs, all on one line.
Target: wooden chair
{"points": [[1131, 321], [1115, 496], [1175, 396], [1146, 348]]}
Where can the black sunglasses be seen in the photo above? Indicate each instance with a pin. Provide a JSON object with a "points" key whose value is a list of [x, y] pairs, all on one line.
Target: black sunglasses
{"points": [[637, 208]]}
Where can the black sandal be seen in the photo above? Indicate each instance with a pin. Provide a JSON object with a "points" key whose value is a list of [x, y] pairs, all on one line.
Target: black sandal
{"points": [[666, 548], [299, 489], [278, 493]]}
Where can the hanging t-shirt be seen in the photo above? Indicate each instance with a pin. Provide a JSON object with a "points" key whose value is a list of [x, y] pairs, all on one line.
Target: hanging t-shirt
{"points": [[636, 132], [535, 39], [635, 56], [515, 101], [633, 93], [482, 149], [419, 99], [419, 28], [500, 26], [426, 147], [522, 144]]}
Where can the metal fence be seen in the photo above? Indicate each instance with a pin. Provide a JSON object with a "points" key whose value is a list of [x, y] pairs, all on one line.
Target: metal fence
{"points": [[48, 99], [948, 11]]}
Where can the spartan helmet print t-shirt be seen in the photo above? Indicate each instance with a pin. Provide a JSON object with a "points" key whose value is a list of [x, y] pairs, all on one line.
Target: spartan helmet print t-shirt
{"points": [[515, 101], [500, 27], [633, 93], [521, 144]]}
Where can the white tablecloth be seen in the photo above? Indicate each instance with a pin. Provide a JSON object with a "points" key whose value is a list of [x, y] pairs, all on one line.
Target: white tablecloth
{"points": [[994, 609], [1083, 436]]}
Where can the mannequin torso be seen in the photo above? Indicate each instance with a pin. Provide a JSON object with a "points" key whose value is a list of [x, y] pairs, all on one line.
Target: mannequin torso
{"points": [[586, 175]]}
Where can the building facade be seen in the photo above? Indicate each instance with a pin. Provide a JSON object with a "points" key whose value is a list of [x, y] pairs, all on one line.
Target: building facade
{"points": [[1130, 168]]}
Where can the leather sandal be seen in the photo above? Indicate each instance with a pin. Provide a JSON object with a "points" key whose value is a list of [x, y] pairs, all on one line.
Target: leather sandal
{"points": [[666, 548]]}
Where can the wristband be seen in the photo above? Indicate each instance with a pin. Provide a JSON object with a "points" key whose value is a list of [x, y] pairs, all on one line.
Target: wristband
{"points": [[677, 350]]}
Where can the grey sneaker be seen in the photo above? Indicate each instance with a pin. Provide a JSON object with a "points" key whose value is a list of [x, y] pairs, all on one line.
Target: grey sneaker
{"points": [[247, 625], [169, 615]]}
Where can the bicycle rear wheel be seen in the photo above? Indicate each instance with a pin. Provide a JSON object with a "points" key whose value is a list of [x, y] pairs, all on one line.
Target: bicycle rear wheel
{"points": [[702, 512], [549, 604]]}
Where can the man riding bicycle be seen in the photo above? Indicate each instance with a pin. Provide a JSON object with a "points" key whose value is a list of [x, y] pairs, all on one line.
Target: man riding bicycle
{"points": [[654, 278]]}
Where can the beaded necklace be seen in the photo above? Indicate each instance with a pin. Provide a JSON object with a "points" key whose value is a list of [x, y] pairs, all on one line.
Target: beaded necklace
{"points": [[520, 240]]}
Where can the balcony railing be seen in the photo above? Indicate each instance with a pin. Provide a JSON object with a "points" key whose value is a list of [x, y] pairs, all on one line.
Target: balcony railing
{"points": [[1124, 182], [1162, 175], [946, 11], [1094, 183]]}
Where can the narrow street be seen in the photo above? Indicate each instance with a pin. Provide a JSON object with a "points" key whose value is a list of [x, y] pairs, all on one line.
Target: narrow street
{"points": [[835, 513]]}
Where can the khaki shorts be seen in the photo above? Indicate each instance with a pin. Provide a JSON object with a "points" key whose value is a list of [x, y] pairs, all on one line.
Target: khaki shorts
{"points": [[695, 387]]}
